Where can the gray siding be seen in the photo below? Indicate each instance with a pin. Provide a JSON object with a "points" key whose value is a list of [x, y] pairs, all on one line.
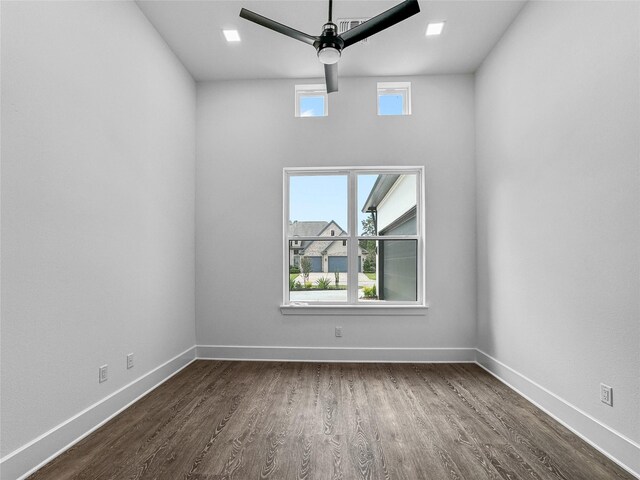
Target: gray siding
{"points": [[407, 228], [399, 273], [398, 262]]}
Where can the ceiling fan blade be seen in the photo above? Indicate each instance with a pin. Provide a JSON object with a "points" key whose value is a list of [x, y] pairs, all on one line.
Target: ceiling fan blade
{"points": [[331, 77], [378, 23], [277, 27]]}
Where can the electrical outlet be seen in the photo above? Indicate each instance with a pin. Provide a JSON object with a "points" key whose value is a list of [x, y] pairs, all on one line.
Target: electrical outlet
{"points": [[130, 361], [606, 394], [338, 331], [102, 374]]}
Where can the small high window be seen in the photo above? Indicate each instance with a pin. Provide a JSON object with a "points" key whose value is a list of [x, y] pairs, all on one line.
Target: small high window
{"points": [[312, 101], [394, 98]]}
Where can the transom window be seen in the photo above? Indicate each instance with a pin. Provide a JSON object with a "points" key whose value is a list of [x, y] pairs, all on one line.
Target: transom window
{"points": [[394, 98], [312, 101], [358, 235]]}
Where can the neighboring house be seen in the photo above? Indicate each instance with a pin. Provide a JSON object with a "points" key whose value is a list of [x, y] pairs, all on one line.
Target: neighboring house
{"points": [[392, 204], [325, 255]]}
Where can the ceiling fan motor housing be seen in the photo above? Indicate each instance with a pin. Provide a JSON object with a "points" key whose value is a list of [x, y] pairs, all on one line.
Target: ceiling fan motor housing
{"points": [[329, 45]]}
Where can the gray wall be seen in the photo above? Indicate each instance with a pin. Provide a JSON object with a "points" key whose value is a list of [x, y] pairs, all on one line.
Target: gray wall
{"points": [[558, 150], [98, 153], [247, 133], [98, 206]]}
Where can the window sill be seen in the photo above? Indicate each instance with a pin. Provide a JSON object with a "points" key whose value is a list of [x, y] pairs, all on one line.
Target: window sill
{"points": [[401, 310]]}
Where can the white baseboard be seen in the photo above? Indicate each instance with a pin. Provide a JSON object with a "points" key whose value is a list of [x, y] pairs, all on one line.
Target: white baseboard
{"points": [[27, 459], [335, 354], [622, 450]]}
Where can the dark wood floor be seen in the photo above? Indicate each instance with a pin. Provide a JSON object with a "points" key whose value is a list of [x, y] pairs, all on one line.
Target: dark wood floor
{"points": [[258, 420]]}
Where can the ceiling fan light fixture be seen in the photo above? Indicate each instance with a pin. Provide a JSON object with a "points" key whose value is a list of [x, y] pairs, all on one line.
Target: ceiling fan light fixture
{"points": [[329, 55]]}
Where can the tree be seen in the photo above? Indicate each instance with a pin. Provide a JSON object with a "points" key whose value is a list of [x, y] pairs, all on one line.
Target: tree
{"points": [[368, 227], [369, 246], [305, 268]]}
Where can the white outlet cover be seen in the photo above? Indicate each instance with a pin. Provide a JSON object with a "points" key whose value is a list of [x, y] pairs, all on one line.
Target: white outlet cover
{"points": [[130, 361], [103, 373], [606, 394]]}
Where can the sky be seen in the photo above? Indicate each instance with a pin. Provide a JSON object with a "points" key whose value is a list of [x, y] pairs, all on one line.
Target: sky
{"points": [[324, 197], [311, 106], [390, 104]]}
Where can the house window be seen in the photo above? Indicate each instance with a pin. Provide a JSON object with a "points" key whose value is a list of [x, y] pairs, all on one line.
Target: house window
{"points": [[312, 101], [377, 213], [394, 98]]}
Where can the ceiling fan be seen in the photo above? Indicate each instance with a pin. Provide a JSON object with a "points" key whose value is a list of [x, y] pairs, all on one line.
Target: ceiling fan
{"points": [[329, 44]]}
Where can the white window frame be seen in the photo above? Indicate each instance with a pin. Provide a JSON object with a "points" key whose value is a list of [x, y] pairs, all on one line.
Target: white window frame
{"points": [[394, 88], [311, 90], [353, 305]]}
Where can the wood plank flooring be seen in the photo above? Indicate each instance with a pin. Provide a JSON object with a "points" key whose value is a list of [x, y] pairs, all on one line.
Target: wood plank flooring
{"points": [[266, 420]]}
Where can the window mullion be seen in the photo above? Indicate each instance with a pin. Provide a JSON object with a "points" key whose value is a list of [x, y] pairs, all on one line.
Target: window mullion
{"points": [[352, 244], [389, 237]]}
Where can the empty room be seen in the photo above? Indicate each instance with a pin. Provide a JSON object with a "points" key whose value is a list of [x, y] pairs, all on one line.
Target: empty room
{"points": [[320, 239]]}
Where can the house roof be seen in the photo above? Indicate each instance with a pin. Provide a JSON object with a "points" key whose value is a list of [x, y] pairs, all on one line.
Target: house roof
{"points": [[332, 222], [311, 228], [306, 229], [379, 191]]}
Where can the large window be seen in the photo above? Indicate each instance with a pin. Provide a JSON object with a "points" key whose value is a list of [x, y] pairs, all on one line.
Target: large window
{"points": [[353, 236]]}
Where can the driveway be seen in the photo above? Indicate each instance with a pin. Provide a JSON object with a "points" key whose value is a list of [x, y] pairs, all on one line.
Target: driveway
{"points": [[318, 296], [363, 280]]}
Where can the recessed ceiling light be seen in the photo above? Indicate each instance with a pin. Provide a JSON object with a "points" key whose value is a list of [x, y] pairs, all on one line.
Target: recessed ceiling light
{"points": [[231, 35], [435, 28]]}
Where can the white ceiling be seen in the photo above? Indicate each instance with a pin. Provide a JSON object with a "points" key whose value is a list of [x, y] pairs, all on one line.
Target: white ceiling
{"points": [[193, 30]]}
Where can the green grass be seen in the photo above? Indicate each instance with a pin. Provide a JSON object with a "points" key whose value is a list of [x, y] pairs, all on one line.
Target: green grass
{"points": [[371, 276], [315, 288], [293, 276]]}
